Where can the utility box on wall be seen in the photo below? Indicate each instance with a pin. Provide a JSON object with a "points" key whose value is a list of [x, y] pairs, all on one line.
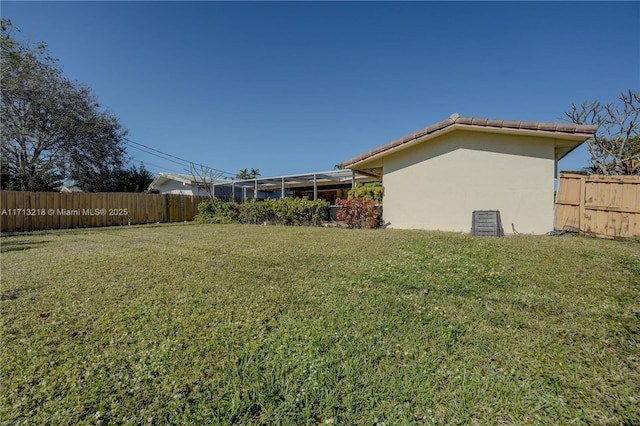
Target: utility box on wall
{"points": [[486, 223]]}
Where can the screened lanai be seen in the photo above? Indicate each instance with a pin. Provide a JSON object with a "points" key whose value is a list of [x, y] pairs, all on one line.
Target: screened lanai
{"points": [[328, 185]]}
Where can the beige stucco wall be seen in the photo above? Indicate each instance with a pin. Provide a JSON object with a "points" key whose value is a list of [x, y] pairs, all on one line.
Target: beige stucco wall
{"points": [[438, 184]]}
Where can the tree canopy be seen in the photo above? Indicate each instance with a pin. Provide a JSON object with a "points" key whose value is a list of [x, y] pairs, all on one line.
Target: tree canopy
{"points": [[246, 174], [615, 148], [132, 179], [52, 129]]}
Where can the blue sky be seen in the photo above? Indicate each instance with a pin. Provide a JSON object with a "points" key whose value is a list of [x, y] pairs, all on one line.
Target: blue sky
{"points": [[294, 87]]}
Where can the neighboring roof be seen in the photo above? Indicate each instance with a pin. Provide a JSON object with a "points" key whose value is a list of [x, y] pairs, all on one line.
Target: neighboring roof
{"points": [[185, 179], [72, 188], [471, 123]]}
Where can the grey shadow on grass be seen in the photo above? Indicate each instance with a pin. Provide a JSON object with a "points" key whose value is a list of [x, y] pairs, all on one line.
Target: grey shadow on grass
{"points": [[7, 246]]}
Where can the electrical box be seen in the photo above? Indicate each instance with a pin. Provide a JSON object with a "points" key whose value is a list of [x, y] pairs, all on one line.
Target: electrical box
{"points": [[486, 223]]}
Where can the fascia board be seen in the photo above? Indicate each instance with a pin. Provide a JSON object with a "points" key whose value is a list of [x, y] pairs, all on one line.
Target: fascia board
{"points": [[366, 163]]}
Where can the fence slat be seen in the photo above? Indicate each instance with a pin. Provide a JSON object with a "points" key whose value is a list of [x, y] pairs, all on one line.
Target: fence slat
{"points": [[8, 205]]}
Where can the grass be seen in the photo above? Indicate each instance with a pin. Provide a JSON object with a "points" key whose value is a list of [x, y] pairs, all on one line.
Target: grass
{"points": [[241, 324]]}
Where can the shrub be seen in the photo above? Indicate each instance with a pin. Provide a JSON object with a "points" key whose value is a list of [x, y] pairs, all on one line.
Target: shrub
{"points": [[257, 212], [369, 191], [302, 211], [287, 211], [217, 211], [358, 213]]}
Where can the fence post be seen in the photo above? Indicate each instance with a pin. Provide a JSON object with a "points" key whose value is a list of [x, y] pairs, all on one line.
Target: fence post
{"points": [[315, 188], [181, 207], [282, 189], [167, 211], [582, 210]]}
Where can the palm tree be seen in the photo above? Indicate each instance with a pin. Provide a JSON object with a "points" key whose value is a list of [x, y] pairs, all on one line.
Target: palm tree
{"points": [[246, 174], [243, 174]]}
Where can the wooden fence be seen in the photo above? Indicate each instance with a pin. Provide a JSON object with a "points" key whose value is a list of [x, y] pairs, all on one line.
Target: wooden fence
{"points": [[31, 211], [604, 206]]}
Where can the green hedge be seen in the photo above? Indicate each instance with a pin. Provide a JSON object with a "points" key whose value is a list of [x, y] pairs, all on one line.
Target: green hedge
{"points": [[217, 211], [287, 211]]}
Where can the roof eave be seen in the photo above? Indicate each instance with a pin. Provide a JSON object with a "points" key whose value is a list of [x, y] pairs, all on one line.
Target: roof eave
{"points": [[393, 147], [556, 134]]}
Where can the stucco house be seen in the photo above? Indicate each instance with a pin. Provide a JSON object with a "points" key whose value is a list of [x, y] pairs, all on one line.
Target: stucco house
{"points": [[183, 184], [436, 177]]}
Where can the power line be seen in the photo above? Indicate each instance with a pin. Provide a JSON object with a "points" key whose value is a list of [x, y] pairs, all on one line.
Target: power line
{"points": [[127, 140], [188, 163], [165, 159], [155, 168]]}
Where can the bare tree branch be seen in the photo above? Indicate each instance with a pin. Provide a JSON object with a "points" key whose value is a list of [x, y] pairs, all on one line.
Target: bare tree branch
{"points": [[205, 178], [615, 149]]}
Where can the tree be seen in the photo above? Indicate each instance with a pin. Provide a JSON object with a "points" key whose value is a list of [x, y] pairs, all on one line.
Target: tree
{"points": [[52, 129], [615, 148], [246, 174], [205, 177], [132, 179]]}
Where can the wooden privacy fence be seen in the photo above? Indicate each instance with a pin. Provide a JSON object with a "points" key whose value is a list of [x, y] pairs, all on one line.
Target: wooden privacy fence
{"points": [[31, 211], [604, 206]]}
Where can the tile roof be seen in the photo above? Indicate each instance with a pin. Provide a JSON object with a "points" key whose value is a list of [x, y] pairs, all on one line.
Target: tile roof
{"points": [[472, 122]]}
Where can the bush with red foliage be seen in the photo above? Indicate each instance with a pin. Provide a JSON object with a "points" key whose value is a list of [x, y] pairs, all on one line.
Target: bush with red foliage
{"points": [[358, 213]]}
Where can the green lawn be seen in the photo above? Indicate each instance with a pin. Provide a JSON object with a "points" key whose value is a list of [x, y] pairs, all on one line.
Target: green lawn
{"points": [[224, 324]]}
